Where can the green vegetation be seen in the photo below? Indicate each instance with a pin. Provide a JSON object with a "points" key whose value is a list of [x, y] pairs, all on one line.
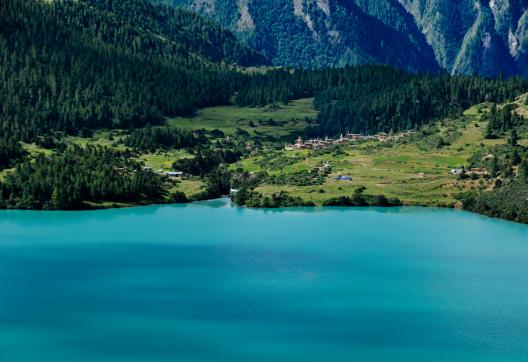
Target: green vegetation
{"points": [[162, 160], [505, 192], [266, 122], [506, 202], [192, 188], [501, 121], [207, 160], [117, 64], [154, 138], [4, 173], [358, 199], [370, 99], [134, 105], [76, 177], [416, 177], [412, 169], [270, 201], [10, 151]]}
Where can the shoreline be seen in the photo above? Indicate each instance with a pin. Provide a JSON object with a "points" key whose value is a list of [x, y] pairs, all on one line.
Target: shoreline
{"points": [[226, 200]]}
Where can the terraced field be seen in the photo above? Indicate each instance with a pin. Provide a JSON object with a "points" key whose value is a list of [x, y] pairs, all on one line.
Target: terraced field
{"points": [[411, 169], [414, 169]]}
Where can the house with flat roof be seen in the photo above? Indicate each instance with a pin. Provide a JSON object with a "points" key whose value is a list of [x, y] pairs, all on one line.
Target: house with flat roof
{"points": [[171, 174], [343, 178], [353, 136]]}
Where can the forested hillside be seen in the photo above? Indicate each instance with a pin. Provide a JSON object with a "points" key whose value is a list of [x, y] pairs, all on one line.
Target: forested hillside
{"points": [[370, 99], [463, 37], [77, 176], [69, 65], [318, 34], [92, 93]]}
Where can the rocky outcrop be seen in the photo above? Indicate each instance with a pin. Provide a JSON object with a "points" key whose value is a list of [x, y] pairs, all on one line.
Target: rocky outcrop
{"points": [[486, 37]]}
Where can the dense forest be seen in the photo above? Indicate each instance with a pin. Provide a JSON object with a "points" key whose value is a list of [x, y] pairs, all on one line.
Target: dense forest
{"points": [[155, 138], [10, 150], [77, 176], [69, 68], [370, 99], [69, 65]]}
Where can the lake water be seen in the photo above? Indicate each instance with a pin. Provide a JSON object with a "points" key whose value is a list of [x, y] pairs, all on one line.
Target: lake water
{"points": [[213, 282]]}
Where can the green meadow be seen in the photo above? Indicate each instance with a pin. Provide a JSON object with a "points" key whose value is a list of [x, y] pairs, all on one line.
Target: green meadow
{"points": [[411, 168], [285, 119], [163, 160]]}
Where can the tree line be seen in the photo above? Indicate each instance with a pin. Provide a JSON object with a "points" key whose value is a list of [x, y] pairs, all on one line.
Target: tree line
{"points": [[69, 65], [370, 99], [501, 121], [77, 176], [155, 138], [508, 171]]}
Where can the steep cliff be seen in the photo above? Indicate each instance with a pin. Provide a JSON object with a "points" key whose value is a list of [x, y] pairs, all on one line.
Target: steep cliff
{"points": [[487, 37]]}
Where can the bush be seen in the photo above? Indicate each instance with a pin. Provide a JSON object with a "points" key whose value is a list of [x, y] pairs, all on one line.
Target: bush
{"points": [[249, 198], [179, 198], [358, 199]]}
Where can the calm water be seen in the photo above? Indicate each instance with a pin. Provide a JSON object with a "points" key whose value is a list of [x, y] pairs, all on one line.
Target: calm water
{"points": [[211, 282]]}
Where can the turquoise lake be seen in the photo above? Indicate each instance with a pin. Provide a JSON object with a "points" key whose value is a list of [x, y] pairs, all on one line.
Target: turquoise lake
{"points": [[213, 282]]}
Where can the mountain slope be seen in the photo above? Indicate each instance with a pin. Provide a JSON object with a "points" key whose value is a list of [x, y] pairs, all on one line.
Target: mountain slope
{"points": [[463, 37], [483, 49], [314, 34], [482, 37], [71, 65]]}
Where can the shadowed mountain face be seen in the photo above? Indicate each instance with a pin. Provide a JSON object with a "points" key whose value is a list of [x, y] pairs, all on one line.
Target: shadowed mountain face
{"points": [[486, 37], [459, 36]]}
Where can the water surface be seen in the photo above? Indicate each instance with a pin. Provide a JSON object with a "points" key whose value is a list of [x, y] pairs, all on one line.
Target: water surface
{"points": [[212, 282]]}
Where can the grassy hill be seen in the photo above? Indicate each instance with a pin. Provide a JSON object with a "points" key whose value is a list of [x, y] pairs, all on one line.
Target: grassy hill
{"points": [[272, 120], [134, 87], [413, 169]]}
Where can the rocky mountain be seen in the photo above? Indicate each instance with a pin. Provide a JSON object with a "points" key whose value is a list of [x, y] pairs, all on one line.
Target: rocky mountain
{"points": [[486, 37]]}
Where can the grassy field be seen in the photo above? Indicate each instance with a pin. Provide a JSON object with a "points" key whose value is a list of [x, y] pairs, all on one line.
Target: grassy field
{"points": [[289, 118], [99, 138], [162, 160], [33, 150], [407, 169], [412, 169], [189, 187]]}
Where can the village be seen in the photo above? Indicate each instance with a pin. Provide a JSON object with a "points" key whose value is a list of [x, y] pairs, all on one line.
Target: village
{"points": [[324, 169], [169, 174], [317, 143], [475, 171]]}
